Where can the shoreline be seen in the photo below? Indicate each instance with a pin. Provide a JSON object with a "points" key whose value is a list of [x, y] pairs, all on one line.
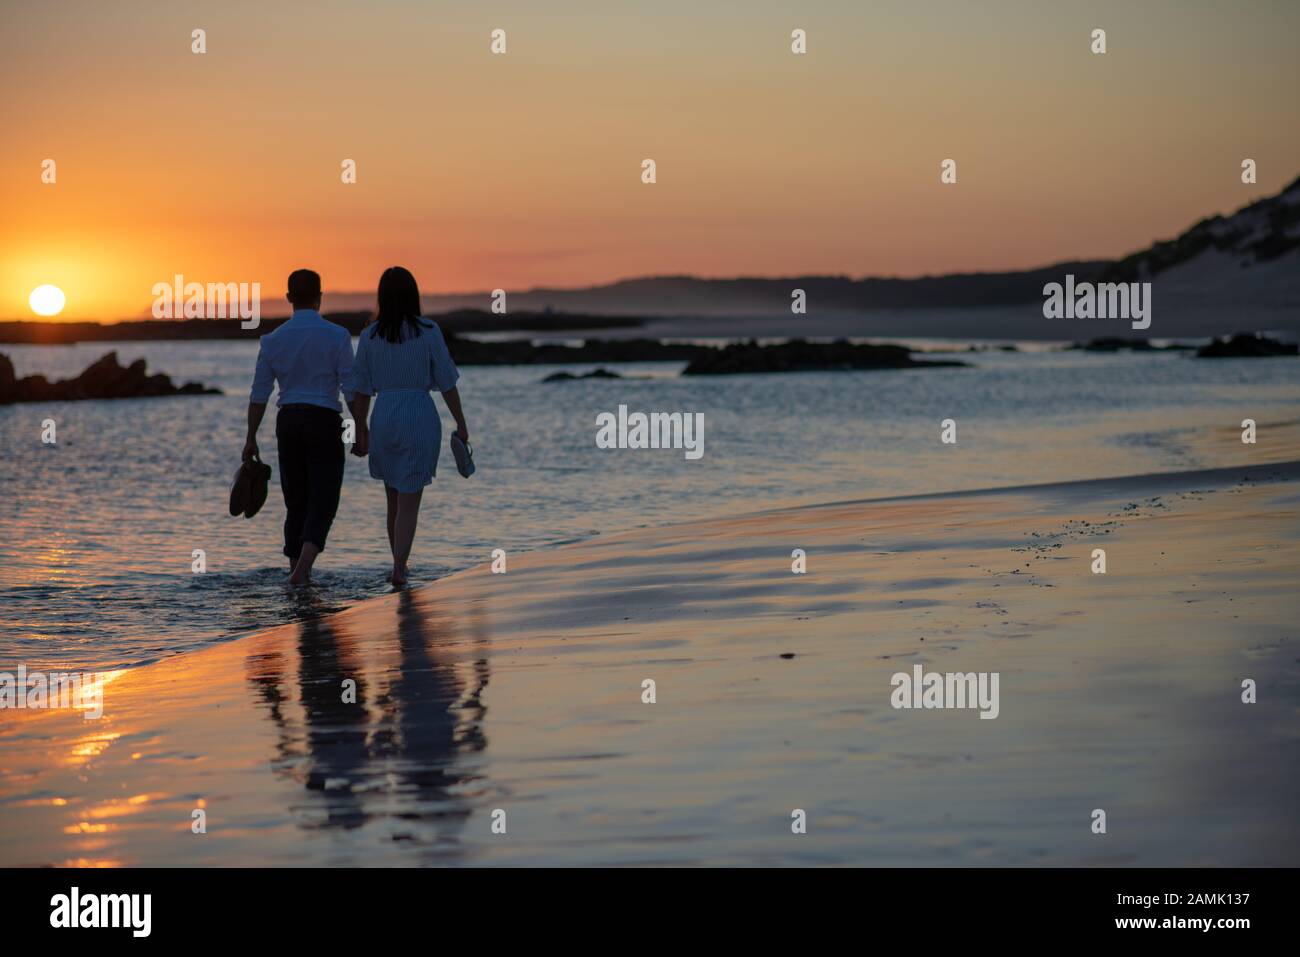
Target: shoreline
{"points": [[523, 693], [1282, 470]]}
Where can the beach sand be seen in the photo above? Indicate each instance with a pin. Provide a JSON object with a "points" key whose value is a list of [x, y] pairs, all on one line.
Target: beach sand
{"points": [[523, 692]]}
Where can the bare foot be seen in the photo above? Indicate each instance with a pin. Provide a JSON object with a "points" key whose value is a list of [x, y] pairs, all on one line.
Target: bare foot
{"points": [[302, 570], [398, 578]]}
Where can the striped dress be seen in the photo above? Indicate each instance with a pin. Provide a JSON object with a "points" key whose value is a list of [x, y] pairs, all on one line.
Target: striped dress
{"points": [[405, 431]]}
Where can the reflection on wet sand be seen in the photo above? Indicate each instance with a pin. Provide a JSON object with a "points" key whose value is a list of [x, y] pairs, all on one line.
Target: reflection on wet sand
{"points": [[391, 736], [773, 694]]}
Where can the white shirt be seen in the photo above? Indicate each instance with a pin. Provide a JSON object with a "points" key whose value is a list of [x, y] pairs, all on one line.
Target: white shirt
{"points": [[309, 357]]}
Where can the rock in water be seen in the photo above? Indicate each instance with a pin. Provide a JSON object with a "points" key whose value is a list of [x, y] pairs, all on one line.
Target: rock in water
{"points": [[601, 373], [105, 378], [8, 381], [1246, 346], [799, 355]]}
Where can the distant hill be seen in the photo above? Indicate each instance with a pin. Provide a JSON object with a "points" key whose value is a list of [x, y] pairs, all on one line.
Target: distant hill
{"points": [[1245, 260], [1267, 231], [751, 296], [1225, 274]]}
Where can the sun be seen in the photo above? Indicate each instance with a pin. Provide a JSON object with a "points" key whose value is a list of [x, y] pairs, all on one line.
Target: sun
{"points": [[47, 300]]}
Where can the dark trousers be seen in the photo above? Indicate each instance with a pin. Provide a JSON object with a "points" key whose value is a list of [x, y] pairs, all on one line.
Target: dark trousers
{"points": [[310, 440]]}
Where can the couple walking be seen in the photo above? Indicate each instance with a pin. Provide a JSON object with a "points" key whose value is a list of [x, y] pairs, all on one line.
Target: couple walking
{"points": [[400, 357]]}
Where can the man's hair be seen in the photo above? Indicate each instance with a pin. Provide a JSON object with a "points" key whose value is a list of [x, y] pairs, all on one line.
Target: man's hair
{"points": [[304, 287]]}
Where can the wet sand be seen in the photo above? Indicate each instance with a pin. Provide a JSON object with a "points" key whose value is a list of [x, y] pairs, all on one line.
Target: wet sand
{"points": [[522, 692]]}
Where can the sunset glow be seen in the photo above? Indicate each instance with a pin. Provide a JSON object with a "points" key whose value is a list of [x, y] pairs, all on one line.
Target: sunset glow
{"points": [[481, 171]]}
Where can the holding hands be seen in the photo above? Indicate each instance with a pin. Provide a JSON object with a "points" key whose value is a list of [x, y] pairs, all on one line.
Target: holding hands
{"points": [[361, 445]]}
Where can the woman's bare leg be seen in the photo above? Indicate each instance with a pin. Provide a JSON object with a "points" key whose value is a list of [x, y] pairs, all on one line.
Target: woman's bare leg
{"points": [[408, 513], [391, 494]]}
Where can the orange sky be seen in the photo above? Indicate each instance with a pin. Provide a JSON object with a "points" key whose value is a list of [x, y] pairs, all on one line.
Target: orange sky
{"points": [[481, 171]]}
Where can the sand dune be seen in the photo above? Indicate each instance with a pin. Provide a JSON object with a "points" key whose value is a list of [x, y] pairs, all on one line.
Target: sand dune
{"points": [[523, 692]]}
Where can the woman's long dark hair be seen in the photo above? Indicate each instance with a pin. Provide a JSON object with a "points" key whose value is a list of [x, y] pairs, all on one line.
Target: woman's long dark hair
{"points": [[399, 305]]}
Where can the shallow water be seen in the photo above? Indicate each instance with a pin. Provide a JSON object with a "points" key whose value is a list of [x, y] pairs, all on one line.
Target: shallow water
{"points": [[100, 528], [406, 729]]}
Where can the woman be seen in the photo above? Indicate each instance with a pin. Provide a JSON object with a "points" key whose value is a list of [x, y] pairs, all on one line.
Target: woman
{"points": [[400, 357]]}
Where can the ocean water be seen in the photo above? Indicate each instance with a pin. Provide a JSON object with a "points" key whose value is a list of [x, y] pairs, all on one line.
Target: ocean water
{"points": [[99, 529]]}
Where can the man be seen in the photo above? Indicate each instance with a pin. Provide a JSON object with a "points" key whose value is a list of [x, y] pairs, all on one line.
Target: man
{"points": [[311, 360]]}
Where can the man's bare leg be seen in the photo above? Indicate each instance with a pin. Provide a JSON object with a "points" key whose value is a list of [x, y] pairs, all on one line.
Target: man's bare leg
{"points": [[306, 558]]}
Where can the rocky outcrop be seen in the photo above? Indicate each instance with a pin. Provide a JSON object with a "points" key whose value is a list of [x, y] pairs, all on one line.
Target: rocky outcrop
{"points": [[1244, 345], [8, 381], [799, 355], [601, 373], [1120, 344], [106, 378]]}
